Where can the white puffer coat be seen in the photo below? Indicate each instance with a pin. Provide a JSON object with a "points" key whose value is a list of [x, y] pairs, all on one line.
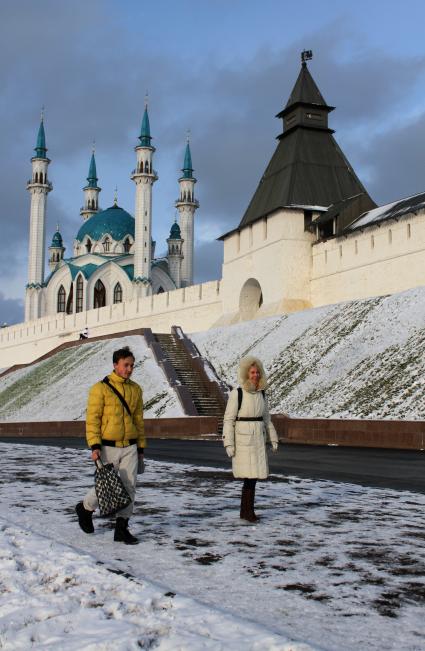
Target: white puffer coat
{"points": [[249, 438]]}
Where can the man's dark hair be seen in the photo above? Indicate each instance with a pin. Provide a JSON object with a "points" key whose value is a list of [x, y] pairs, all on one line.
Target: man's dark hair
{"points": [[122, 353]]}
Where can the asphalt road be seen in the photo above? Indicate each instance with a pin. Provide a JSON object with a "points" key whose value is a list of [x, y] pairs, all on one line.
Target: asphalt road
{"points": [[398, 469]]}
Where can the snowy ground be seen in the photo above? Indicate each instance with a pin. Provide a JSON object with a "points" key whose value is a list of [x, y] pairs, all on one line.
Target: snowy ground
{"points": [[57, 388], [339, 566], [361, 359]]}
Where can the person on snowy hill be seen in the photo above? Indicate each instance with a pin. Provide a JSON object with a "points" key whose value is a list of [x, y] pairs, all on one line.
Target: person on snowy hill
{"points": [[247, 428], [115, 433]]}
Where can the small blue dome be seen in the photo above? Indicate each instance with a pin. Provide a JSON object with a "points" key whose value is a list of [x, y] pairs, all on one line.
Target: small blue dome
{"points": [[175, 233], [114, 220], [57, 240]]}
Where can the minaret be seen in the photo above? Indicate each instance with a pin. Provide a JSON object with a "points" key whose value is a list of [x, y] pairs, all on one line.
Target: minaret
{"points": [[39, 187], [175, 254], [144, 176], [91, 191], [56, 249], [186, 205]]}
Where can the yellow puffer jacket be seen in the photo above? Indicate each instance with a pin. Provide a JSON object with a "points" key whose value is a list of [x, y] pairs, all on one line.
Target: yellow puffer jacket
{"points": [[107, 417]]}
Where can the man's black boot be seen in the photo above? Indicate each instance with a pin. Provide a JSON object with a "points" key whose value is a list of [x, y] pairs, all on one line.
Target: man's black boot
{"points": [[85, 518], [122, 533]]}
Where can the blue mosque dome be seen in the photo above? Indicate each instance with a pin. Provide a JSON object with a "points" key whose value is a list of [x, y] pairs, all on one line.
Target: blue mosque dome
{"points": [[113, 221]]}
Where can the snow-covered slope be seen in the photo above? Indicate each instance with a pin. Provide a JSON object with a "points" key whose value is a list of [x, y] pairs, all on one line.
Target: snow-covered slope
{"points": [[360, 358], [56, 388]]}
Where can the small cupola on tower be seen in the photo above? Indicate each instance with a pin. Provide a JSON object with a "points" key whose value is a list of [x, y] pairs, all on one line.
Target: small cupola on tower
{"points": [[306, 106], [175, 253], [56, 250], [91, 191]]}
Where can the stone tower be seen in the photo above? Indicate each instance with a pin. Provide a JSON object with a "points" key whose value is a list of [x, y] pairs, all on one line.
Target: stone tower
{"points": [[175, 254], [144, 176], [38, 187], [186, 205], [56, 249]]}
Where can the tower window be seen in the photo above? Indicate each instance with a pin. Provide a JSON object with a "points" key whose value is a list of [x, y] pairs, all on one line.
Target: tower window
{"points": [[79, 294], [118, 293], [106, 244], [61, 299], [88, 246], [340, 251], [127, 245], [372, 242], [356, 247], [409, 231], [390, 236]]}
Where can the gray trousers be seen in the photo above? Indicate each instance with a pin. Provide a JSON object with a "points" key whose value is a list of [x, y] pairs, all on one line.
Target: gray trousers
{"points": [[125, 461]]}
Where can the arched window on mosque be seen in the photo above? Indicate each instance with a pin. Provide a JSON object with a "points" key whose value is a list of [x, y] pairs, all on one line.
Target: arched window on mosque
{"points": [[99, 296], [61, 299], [79, 294], [127, 245], [118, 293], [106, 244], [161, 290], [88, 246]]}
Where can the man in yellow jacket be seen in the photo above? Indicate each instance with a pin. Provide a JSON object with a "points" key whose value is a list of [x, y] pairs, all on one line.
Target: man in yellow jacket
{"points": [[115, 436]]}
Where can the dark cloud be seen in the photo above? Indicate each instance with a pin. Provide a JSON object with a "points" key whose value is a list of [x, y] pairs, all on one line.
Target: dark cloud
{"points": [[91, 72], [11, 310]]}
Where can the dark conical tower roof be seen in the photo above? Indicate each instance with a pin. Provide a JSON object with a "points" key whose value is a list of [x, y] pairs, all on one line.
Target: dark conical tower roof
{"points": [[308, 168]]}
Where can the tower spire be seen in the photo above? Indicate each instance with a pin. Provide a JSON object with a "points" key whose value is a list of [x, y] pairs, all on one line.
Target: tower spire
{"points": [[40, 147], [145, 130], [187, 168]]}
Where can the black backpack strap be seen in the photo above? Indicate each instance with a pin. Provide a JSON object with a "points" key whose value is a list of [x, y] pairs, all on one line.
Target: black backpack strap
{"points": [[117, 393], [240, 396]]}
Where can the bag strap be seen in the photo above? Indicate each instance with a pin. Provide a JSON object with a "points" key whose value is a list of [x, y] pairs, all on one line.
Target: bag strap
{"points": [[117, 393], [240, 396]]}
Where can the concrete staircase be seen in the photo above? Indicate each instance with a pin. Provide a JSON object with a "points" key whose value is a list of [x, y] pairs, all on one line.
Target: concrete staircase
{"points": [[199, 389]]}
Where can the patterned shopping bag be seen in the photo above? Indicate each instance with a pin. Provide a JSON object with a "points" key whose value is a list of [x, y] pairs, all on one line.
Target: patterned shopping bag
{"points": [[111, 492]]}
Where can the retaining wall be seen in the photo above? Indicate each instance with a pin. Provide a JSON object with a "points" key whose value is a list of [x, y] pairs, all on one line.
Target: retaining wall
{"points": [[402, 435]]}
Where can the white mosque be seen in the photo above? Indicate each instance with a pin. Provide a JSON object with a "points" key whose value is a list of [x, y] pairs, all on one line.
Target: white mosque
{"points": [[113, 257]]}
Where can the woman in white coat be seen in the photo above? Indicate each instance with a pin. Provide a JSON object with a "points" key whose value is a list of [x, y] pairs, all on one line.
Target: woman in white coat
{"points": [[246, 430]]}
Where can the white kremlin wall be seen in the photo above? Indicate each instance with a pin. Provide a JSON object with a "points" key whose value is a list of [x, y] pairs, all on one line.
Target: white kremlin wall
{"points": [[377, 261]]}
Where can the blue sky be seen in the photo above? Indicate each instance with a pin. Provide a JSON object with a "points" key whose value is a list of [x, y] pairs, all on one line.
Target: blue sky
{"points": [[222, 70]]}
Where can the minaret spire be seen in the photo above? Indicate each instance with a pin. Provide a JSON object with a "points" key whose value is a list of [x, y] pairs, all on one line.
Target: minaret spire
{"points": [[40, 147], [91, 190], [187, 205], [145, 130], [38, 187]]}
